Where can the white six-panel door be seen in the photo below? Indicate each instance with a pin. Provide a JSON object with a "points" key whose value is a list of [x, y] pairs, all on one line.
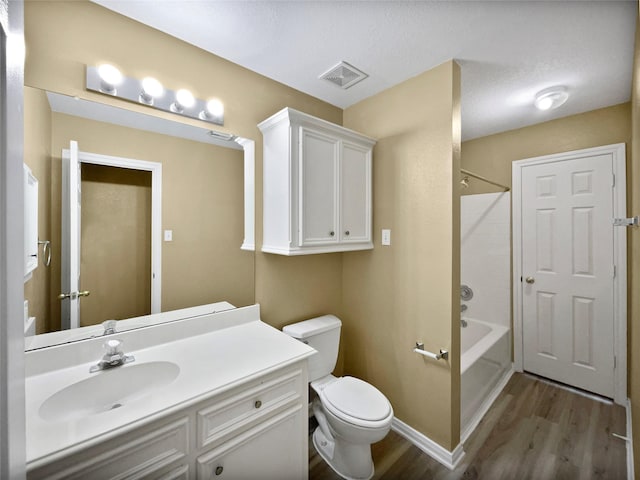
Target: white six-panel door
{"points": [[567, 254]]}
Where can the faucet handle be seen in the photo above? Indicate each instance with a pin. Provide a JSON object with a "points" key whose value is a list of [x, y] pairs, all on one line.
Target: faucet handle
{"points": [[113, 347], [109, 327]]}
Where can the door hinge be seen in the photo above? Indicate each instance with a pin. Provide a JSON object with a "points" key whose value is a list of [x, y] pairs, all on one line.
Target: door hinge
{"points": [[614, 271], [613, 179], [615, 361]]}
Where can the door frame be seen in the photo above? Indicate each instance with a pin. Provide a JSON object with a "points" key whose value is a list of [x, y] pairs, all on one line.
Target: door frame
{"points": [[156, 211], [618, 152]]}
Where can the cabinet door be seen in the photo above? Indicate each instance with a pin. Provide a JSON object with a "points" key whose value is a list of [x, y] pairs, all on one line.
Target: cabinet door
{"points": [[355, 189], [318, 214], [272, 450]]}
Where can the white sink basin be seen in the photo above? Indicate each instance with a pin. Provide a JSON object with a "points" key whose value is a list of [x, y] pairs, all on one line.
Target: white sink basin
{"points": [[108, 390]]}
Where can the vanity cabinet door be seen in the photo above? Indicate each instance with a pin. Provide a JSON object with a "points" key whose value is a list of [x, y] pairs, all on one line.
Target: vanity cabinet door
{"points": [[272, 450], [158, 451]]}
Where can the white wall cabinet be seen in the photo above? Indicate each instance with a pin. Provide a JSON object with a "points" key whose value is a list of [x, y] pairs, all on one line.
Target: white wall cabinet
{"points": [[255, 430], [317, 186]]}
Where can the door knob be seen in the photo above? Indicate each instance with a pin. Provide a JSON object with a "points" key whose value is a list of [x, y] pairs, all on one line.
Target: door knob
{"points": [[530, 280]]}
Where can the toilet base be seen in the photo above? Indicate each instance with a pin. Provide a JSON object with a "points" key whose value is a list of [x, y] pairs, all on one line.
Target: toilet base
{"points": [[350, 461]]}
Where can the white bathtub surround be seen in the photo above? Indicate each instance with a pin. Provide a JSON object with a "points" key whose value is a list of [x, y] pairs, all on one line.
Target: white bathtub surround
{"points": [[485, 229], [485, 363]]}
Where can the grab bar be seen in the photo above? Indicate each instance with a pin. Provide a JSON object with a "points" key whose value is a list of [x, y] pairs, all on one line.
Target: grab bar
{"points": [[436, 356]]}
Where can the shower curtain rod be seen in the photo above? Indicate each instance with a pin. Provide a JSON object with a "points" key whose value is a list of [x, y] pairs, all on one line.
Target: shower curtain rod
{"points": [[484, 179]]}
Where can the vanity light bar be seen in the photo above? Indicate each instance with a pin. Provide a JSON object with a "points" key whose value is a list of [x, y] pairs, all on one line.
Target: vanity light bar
{"points": [[131, 89]]}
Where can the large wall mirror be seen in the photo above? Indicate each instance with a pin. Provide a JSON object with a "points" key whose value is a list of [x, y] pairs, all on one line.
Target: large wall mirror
{"points": [[202, 228]]}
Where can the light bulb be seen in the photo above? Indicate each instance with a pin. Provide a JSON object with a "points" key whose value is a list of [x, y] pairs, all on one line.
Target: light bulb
{"points": [[151, 88], [544, 103], [110, 77], [185, 98], [215, 107]]}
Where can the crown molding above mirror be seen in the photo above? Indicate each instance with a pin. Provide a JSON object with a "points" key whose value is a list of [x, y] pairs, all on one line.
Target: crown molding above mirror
{"points": [[193, 262]]}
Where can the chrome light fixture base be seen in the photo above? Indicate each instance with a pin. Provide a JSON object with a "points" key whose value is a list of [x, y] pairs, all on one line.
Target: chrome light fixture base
{"points": [[130, 89]]}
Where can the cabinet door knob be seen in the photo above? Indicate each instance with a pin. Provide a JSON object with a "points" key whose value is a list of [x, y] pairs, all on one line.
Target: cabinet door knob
{"points": [[347, 232], [258, 404], [219, 469], [530, 280], [332, 233]]}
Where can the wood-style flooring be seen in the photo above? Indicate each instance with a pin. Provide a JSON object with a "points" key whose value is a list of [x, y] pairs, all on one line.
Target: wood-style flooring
{"points": [[534, 430]]}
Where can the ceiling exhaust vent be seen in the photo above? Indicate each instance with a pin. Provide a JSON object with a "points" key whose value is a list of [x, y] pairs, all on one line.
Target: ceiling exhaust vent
{"points": [[344, 75]]}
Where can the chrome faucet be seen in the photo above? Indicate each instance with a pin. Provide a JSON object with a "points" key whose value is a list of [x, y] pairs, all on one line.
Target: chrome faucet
{"points": [[113, 358], [109, 327]]}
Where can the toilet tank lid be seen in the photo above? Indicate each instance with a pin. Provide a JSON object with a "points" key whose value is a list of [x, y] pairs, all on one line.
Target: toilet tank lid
{"points": [[313, 326]]}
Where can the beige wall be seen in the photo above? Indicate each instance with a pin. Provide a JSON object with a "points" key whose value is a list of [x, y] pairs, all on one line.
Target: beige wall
{"points": [[115, 256], [63, 37], [633, 189], [407, 292], [491, 156], [37, 155]]}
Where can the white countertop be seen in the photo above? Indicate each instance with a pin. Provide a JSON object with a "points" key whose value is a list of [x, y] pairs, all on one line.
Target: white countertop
{"points": [[236, 347]]}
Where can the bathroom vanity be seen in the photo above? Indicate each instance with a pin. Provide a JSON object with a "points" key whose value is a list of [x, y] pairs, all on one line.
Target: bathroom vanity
{"points": [[217, 396]]}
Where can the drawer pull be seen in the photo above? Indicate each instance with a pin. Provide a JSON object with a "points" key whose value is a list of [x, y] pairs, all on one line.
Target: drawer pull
{"points": [[347, 233], [258, 404], [219, 470], [332, 233]]}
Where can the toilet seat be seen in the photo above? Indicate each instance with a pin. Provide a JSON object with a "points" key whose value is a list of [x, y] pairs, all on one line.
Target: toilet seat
{"points": [[357, 402]]}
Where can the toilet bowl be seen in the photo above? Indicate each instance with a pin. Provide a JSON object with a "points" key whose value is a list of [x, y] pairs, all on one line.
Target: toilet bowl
{"points": [[351, 413]]}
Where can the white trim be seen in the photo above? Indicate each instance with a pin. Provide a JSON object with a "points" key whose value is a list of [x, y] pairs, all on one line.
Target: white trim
{"points": [[156, 212], [249, 147], [486, 405], [620, 256], [629, 440], [12, 392], [443, 456]]}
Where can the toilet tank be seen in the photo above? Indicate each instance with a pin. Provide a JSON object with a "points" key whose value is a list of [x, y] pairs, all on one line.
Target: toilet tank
{"points": [[322, 334]]}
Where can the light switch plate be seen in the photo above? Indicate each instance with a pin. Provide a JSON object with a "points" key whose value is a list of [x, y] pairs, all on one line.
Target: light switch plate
{"points": [[386, 236], [168, 235]]}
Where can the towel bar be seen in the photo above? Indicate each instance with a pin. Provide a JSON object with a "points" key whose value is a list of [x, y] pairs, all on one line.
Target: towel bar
{"points": [[436, 356]]}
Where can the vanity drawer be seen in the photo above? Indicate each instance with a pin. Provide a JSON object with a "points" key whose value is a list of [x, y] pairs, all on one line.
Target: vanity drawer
{"points": [[243, 408], [266, 452], [145, 453]]}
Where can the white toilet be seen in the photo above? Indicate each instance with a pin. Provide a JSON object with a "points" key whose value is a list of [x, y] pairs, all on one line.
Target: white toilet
{"points": [[351, 413]]}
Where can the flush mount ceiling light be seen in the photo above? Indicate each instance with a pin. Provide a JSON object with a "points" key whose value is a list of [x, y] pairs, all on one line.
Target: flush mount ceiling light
{"points": [[150, 92], [551, 98]]}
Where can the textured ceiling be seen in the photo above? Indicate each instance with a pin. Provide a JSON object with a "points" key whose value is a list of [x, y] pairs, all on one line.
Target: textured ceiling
{"points": [[507, 50]]}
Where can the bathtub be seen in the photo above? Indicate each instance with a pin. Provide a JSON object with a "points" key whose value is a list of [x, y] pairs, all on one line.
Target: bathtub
{"points": [[485, 368]]}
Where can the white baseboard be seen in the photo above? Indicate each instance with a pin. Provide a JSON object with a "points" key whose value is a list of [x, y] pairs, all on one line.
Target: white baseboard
{"points": [[485, 406], [428, 446], [629, 439]]}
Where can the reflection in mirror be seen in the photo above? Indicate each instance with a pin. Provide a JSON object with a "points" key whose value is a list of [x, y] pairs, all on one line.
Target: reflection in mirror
{"points": [[202, 223]]}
